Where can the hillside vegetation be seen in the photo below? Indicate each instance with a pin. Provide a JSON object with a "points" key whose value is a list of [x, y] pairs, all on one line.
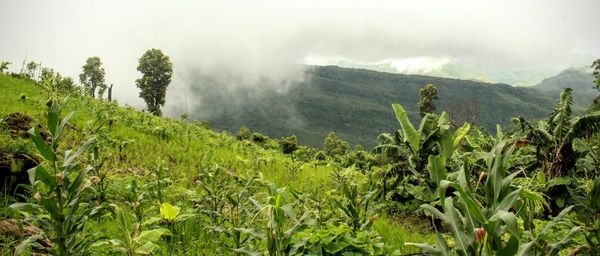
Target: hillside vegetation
{"points": [[354, 103], [200, 172]]}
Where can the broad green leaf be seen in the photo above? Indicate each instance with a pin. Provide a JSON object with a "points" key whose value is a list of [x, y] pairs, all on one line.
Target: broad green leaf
{"points": [[80, 177], [454, 220], [508, 201], [410, 134], [169, 212], [52, 118], [63, 123], [426, 248], [434, 211], [151, 236], [443, 246], [556, 247], [524, 249], [45, 177], [460, 133], [558, 181], [50, 206], [437, 169], [41, 145], [71, 157], [509, 219], [27, 208], [147, 248], [472, 207], [25, 244], [499, 133]]}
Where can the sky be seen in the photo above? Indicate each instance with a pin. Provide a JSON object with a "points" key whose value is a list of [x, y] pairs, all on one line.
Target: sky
{"points": [[255, 39]]}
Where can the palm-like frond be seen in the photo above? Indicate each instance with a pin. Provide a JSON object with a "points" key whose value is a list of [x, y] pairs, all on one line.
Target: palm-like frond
{"points": [[584, 127], [560, 120], [428, 126]]}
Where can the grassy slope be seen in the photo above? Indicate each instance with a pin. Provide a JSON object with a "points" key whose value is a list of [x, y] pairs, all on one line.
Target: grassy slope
{"points": [[153, 139]]}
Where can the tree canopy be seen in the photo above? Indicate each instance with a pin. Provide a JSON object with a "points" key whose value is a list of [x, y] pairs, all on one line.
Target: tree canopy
{"points": [[157, 71], [426, 102], [92, 77]]}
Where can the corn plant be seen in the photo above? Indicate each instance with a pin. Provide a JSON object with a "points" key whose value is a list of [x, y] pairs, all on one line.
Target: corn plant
{"points": [[160, 182], [356, 208], [474, 227], [134, 242], [237, 216], [280, 223], [61, 190], [97, 161], [486, 227]]}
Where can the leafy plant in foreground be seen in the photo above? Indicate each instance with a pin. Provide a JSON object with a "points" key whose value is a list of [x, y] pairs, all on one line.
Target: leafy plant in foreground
{"points": [[61, 190], [134, 242], [490, 226]]}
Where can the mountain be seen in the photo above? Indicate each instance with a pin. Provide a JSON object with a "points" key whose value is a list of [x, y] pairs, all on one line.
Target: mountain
{"points": [[447, 69], [578, 79], [356, 104]]}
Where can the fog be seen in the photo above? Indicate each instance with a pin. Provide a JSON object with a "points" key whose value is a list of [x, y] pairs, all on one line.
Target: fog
{"points": [[261, 44]]}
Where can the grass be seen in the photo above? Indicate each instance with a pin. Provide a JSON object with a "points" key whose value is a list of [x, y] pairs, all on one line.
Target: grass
{"points": [[136, 142]]}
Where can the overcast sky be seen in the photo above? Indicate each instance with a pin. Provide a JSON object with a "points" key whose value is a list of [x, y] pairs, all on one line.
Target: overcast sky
{"points": [[268, 37]]}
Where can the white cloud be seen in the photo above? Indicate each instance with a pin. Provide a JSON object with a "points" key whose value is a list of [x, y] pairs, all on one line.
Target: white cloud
{"points": [[266, 38]]}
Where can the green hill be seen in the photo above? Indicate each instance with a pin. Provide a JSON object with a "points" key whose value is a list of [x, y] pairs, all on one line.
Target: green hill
{"points": [[199, 167], [355, 103]]}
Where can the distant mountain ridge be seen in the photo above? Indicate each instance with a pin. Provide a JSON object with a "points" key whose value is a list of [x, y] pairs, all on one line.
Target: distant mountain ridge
{"points": [[444, 69], [356, 103], [579, 79]]}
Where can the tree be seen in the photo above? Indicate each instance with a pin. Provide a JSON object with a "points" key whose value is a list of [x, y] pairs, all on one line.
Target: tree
{"points": [[31, 70], [554, 138], [4, 66], [92, 77], [289, 144], [428, 95], [334, 146], [157, 70], [596, 73]]}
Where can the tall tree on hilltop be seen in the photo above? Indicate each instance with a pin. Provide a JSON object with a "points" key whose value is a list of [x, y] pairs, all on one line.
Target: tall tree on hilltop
{"points": [[92, 77], [4, 66], [157, 71], [596, 73], [428, 95]]}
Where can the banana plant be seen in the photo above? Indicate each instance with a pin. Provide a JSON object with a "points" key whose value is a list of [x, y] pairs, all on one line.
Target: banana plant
{"points": [[477, 227], [61, 189], [554, 138], [490, 226], [428, 150]]}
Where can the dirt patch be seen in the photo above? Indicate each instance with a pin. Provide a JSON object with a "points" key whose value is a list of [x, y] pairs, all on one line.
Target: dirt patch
{"points": [[12, 228], [13, 173], [18, 124]]}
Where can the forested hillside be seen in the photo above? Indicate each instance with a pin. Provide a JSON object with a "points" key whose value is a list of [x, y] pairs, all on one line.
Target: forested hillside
{"points": [[354, 103]]}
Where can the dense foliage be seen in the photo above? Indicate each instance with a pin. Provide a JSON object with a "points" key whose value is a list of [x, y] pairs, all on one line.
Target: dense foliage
{"points": [[157, 70], [92, 77], [426, 104], [355, 103]]}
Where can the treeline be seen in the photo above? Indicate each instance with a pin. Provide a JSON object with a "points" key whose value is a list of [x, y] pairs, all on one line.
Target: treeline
{"points": [[155, 66]]}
